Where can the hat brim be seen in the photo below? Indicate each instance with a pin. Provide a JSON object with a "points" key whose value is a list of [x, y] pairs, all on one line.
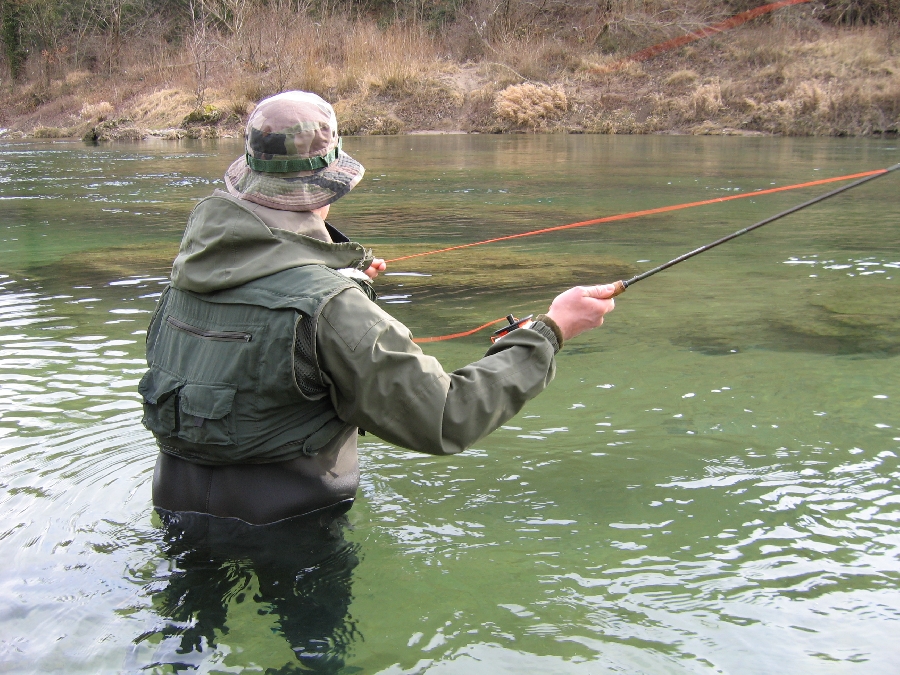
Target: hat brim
{"points": [[301, 191]]}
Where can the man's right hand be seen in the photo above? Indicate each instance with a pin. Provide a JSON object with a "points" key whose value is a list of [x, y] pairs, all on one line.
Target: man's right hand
{"points": [[581, 308]]}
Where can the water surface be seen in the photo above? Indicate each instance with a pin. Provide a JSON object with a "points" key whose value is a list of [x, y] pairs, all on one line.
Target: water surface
{"points": [[710, 484]]}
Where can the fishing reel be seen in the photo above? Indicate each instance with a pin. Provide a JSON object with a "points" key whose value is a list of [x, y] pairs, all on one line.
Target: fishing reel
{"points": [[514, 323]]}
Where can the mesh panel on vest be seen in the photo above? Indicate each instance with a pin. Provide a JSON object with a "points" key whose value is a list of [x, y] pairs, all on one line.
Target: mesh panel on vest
{"points": [[306, 372]]}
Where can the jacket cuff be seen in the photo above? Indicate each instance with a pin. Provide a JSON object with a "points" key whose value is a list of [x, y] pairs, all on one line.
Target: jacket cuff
{"points": [[547, 327]]}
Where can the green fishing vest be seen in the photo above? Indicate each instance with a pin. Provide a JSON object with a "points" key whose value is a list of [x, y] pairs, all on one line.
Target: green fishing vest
{"points": [[221, 387]]}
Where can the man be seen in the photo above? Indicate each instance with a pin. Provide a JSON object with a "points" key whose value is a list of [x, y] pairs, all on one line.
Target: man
{"points": [[267, 352]]}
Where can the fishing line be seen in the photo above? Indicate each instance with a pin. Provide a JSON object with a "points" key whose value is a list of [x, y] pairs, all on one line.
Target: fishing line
{"points": [[453, 336], [638, 214], [621, 285]]}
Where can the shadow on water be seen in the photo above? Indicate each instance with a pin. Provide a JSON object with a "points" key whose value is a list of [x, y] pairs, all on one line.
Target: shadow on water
{"points": [[842, 326], [298, 573]]}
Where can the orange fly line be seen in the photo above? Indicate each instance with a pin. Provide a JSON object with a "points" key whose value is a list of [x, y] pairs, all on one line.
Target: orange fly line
{"points": [[610, 219], [639, 214]]}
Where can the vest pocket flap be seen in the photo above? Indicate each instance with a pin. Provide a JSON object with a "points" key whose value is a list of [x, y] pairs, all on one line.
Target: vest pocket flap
{"points": [[209, 401], [157, 385]]}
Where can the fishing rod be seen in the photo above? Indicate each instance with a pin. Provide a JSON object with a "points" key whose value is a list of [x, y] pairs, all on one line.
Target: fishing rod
{"points": [[621, 285]]}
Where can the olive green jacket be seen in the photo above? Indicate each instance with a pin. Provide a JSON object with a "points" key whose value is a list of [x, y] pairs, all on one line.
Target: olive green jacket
{"points": [[376, 377]]}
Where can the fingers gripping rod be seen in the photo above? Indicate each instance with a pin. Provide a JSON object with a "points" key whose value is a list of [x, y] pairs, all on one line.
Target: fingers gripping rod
{"points": [[621, 285]]}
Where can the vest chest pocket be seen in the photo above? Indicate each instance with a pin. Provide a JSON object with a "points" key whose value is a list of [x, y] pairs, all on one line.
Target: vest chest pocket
{"points": [[206, 414]]}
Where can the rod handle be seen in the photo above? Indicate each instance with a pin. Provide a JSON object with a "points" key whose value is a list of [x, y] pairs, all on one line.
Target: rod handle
{"points": [[619, 288]]}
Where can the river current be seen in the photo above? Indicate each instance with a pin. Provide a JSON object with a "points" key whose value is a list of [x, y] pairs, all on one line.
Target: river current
{"points": [[710, 485]]}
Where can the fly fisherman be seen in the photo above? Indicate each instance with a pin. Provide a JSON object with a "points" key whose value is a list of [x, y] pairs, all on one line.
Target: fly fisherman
{"points": [[267, 351]]}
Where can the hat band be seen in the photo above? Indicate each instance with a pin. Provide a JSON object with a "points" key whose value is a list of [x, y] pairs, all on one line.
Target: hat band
{"points": [[294, 165]]}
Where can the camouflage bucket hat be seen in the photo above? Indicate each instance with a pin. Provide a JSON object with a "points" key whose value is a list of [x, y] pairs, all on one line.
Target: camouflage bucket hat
{"points": [[293, 158]]}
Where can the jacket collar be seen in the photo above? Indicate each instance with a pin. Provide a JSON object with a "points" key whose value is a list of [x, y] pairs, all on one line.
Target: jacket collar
{"points": [[226, 244]]}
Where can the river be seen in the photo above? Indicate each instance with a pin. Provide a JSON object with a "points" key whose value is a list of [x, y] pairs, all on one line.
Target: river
{"points": [[710, 485]]}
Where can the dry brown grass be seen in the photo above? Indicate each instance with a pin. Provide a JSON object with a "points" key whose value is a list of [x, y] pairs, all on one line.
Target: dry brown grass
{"points": [[839, 82], [162, 108], [358, 116], [394, 59], [619, 121], [680, 77], [96, 111]]}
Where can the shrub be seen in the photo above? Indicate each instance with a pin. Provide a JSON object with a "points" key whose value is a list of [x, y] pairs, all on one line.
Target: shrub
{"points": [[706, 100], [208, 114], [530, 105]]}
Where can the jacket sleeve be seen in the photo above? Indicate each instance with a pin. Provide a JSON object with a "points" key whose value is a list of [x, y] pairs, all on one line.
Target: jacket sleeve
{"points": [[382, 382]]}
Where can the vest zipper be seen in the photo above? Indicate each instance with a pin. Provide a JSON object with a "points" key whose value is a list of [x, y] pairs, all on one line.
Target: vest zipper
{"points": [[226, 336]]}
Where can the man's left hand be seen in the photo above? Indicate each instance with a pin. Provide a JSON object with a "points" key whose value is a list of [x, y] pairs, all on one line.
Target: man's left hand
{"points": [[378, 265]]}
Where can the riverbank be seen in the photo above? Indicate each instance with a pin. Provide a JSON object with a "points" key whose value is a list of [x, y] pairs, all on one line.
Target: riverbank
{"points": [[788, 77]]}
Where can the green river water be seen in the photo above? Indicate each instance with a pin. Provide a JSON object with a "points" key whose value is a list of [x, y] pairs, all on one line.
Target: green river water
{"points": [[710, 485]]}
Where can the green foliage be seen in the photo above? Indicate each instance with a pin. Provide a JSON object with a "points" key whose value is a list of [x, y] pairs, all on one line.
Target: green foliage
{"points": [[443, 12], [11, 36]]}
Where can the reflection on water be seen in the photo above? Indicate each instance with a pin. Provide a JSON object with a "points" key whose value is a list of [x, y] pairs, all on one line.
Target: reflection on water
{"points": [[295, 574], [710, 485]]}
